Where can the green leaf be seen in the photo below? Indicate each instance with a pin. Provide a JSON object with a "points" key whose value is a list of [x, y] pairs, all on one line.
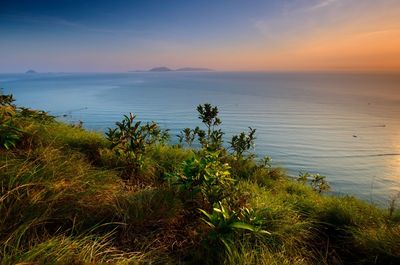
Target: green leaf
{"points": [[244, 226], [226, 244]]}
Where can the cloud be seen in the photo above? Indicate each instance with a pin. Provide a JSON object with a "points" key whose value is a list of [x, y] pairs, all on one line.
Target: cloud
{"points": [[380, 32], [322, 4], [46, 20], [37, 19], [297, 17]]}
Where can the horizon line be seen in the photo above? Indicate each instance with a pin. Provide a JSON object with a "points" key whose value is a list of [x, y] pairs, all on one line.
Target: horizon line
{"points": [[397, 71]]}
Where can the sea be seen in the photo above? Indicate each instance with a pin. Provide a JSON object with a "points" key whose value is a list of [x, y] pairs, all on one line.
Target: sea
{"points": [[345, 126]]}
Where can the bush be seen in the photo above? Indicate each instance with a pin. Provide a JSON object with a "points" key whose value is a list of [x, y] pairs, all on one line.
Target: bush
{"points": [[130, 139], [317, 182], [242, 143], [225, 223], [206, 174], [10, 133], [188, 135]]}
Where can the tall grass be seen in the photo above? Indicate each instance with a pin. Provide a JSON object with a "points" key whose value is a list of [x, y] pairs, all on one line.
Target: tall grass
{"points": [[65, 198]]}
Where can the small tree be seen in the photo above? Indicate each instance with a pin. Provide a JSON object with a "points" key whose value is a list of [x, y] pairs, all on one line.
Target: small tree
{"points": [[317, 182], [187, 135], [130, 139], [212, 138], [243, 142], [209, 116]]}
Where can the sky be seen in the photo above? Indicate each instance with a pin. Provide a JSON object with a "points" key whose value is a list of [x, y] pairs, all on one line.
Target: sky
{"points": [[231, 35]]}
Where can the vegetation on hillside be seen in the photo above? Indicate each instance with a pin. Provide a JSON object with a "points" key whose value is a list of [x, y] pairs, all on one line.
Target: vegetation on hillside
{"points": [[71, 196]]}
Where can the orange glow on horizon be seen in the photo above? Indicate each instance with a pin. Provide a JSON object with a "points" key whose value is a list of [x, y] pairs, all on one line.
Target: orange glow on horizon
{"points": [[364, 40]]}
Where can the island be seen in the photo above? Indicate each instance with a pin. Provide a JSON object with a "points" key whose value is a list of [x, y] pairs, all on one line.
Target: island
{"points": [[31, 72], [160, 69], [167, 69], [194, 69]]}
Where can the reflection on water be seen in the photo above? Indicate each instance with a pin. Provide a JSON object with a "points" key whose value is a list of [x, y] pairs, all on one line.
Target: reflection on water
{"points": [[340, 125]]}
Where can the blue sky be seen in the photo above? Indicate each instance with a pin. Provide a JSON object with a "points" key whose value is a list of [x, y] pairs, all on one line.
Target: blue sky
{"points": [[227, 35]]}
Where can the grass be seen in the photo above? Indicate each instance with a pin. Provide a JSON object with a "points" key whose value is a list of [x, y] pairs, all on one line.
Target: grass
{"points": [[65, 198]]}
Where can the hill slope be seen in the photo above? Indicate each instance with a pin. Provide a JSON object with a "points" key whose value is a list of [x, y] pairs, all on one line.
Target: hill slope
{"points": [[71, 196]]}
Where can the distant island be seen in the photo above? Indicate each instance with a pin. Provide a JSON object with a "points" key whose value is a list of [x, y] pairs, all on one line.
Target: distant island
{"points": [[160, 69], [31, 72], [193, 69], [184, 69]]}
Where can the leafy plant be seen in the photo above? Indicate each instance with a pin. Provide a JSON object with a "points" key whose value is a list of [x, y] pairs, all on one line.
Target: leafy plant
{"points": [[205, 174], [130, 139], [38, 115], [10, 133], [201, 135], [265, 162], [6, 100], [209, 116], [243, 142], [188, 135], [211, 138], [225, 223], [303, 177], [317, 182]]}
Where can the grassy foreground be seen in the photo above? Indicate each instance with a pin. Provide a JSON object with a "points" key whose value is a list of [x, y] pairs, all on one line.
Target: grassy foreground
{"points": [[71, 196]]}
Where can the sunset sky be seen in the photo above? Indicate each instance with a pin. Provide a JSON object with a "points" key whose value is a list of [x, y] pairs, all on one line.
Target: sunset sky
{"points": [[272, 35]]}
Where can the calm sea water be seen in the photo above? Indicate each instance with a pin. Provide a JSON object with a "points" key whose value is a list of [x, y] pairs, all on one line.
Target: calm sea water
{"points": [[343, 126]]}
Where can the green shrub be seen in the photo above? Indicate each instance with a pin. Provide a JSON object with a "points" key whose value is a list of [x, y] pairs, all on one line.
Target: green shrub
{"points": [[187, 135], [212, 138], [130, 139], [204, 173], [10, 133], [242, 143], [37, 115], [317, 182], [225, 223]]}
